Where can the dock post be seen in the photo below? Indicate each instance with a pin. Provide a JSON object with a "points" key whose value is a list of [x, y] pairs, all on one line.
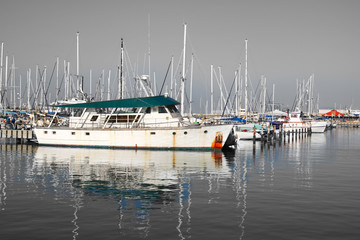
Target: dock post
{"points": [[254, 135]]}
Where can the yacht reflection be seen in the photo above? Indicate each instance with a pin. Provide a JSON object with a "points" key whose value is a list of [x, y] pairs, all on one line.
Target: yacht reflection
{"points": [[138, 180]]}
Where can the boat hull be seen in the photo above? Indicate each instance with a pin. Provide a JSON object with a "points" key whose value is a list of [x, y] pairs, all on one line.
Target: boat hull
{"points": [[196, 137], [318, 127]]}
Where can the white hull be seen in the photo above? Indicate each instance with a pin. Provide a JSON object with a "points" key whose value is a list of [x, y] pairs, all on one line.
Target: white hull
{"points": [[289, 126], [196, 137], [245, 132], [318, 127], [247, 135]]}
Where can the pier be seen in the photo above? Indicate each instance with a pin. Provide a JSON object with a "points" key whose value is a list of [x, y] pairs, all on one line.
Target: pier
{"points": [[271, 134], [353, 124], [19, 135]]}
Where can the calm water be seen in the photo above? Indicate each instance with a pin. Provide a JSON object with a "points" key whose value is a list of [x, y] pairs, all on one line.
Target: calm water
{"points": [[303, 189]]}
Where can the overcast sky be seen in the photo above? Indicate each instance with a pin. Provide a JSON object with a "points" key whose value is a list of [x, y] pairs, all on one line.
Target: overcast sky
{"points": [[287, 40]]}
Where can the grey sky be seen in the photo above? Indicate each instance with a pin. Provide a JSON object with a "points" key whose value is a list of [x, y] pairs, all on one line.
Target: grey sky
{"points": [[288, 40]]}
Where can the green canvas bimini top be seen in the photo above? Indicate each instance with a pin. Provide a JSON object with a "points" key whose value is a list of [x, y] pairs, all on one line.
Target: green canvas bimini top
{"points": [[126, 103]]}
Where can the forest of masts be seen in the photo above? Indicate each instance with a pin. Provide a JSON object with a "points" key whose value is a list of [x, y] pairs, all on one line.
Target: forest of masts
{"points": [[35, 92]]}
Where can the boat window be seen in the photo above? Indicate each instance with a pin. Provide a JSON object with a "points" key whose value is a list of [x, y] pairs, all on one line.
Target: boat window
{"points": [[122, 118], [45, 132], [94, 118], [148, 110], [87, 133], [72, 133], [172, 109], [162, 110], [174, 133], [152, 133], [54, 132], [185, 133], [205, 131]]}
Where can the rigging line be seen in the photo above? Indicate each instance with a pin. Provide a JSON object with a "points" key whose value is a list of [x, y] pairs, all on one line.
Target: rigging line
{"points": [[47, 90], [62, 80], [255, 101], [232, 85], [165, 78], [38, 88]]}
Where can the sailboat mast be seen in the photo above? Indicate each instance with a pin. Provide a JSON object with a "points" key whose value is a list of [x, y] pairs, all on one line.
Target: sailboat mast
{"points": [[246, 81], [212, 89], [1, 70], [121, 78], [77, 54], [172, 77], [183, 73], [57, 79], [191, 82], [28, 90]]}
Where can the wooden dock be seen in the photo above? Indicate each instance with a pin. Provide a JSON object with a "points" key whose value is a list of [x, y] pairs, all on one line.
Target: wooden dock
{"points": [[19, 135]]}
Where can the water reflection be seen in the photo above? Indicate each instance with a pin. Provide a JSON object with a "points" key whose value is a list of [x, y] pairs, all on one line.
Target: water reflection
{"points": [[139, 180], [11, 166], [3, 186]]}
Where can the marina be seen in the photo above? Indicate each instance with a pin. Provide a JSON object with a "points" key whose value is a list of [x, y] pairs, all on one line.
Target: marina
{"points": [[248, 193], [179, 120]]}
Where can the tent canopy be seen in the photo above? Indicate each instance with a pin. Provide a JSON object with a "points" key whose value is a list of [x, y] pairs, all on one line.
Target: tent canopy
{"points": [[333, 112]]}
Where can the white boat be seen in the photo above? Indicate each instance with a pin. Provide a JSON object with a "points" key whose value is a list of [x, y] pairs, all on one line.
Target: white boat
{"points": [[150, 122], [295, 122], [318, 126], [246, 131]]}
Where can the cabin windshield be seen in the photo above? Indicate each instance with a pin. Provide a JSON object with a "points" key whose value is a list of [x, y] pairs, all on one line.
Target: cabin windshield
{"points": [[172, 109]]}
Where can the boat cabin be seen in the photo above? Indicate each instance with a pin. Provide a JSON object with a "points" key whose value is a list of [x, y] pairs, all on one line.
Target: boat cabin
{"points": [[159, 111]]}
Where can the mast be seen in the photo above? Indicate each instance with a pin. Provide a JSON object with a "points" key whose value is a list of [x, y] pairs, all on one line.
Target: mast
{"points": [[121, 71], [90, 92], [149, 48], [36, 86], [236, 91], [172, 77], [221, 90], [273, 100], [1, 73], [212, 89], [240, 91], [191, 82], [263, 94], [13, 83], [246, 81], [183, 73], [20, 92], [77, 54], [28, 90], [44, 87], [108, 91], [57, 80]]}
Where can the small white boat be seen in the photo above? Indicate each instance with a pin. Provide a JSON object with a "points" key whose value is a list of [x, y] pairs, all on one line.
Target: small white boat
{"points": [[294, 122], [246, 131], [318, 126]]}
